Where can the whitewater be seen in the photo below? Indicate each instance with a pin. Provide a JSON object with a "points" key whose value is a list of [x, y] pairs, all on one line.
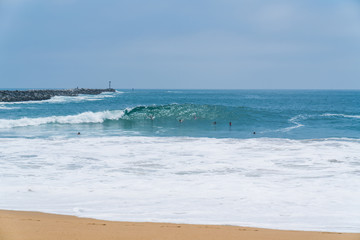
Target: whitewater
{"points": [[289, 159]]}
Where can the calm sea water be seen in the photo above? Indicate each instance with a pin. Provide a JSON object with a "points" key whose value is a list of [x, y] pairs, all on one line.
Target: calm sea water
{"points": [[135, 161]]}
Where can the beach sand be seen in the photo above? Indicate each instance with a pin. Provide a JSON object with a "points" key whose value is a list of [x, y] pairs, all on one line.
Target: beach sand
{"points": [[16, 225]]}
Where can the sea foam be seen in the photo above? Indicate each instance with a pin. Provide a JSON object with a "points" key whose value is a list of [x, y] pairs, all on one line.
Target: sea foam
{"points": [[2, 107], [340, 115], [86, 117], [272, 183]]}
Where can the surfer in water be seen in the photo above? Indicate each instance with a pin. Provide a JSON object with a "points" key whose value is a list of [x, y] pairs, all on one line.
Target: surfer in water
{"points": [[151, 117]]}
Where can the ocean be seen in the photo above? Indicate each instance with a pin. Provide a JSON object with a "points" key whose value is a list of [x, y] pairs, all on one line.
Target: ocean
{"points": [[282, 159]]}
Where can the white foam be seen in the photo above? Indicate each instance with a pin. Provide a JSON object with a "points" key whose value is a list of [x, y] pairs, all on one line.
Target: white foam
{"points": [[81, 97], [2, 107], [340, 115], [273, 183], [297, 124], [174, 91], [86, 117], [294, 120]]}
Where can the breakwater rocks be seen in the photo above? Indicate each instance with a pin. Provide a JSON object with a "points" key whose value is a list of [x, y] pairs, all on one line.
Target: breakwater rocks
{"points": [[38, 95]]}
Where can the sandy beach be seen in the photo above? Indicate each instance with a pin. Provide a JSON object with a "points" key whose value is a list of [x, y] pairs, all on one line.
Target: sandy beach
{"points": [[16, 225]]}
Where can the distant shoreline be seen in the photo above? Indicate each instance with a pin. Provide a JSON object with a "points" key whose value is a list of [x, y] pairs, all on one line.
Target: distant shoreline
{"points": [[39, 95]]}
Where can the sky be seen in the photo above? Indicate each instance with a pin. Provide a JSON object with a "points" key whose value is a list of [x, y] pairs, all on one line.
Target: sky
{"points": [[180, 44]]}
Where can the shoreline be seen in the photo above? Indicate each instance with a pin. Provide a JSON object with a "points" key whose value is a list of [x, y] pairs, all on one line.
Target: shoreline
{"points": [[16, 225]]}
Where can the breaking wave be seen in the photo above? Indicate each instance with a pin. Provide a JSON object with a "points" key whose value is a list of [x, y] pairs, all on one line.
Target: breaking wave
{"points": [[184, 111], [86, 117], [162, 112], [243, 116]]}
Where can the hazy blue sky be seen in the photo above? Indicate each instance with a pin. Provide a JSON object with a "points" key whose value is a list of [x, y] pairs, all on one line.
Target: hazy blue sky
{"points": [[180, 44]]}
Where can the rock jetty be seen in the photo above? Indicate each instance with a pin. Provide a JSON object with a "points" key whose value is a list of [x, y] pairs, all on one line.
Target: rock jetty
{"points": [[38, 95]]}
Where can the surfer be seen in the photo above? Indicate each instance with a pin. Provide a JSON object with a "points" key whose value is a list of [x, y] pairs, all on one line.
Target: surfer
{"points": [[230, 124], [214, 123], [78, 133], [151, 117], [180, 120]]}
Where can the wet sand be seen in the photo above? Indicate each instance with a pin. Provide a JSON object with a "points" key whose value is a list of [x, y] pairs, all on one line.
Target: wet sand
{"points": [[19, 225]]}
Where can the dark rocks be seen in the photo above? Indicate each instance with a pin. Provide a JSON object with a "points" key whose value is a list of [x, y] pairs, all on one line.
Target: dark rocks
{"points": [[38, 95]]}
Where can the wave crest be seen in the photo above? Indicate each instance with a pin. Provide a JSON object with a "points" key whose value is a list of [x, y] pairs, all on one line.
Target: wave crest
{"points": [[183, 111], [163, 112], [86, 117]]}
